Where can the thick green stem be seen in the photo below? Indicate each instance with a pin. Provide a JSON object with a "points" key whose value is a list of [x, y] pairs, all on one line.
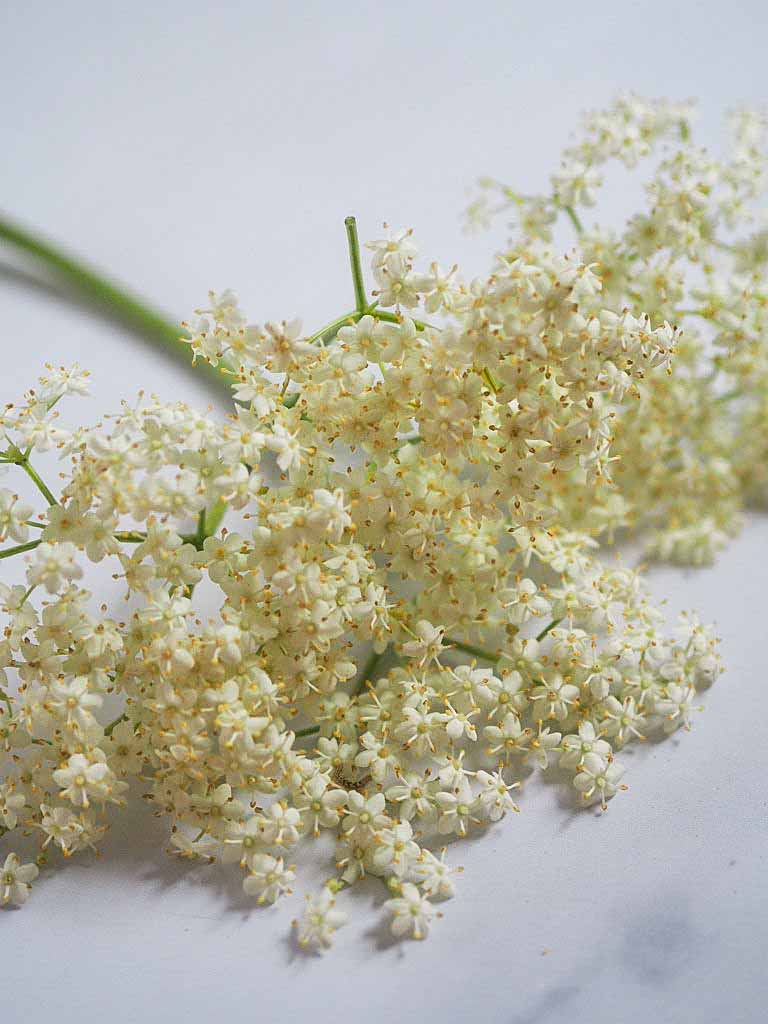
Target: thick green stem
{"points": [[199, 538], [330, 330], [127, 308], [353, 242], [214, 516], [112, 297], [208, 523]]}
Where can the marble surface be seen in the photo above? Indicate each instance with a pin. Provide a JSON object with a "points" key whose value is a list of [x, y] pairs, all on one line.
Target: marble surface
{"points": [[186, 146]]}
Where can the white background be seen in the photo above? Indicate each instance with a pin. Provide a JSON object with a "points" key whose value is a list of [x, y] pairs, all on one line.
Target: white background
{"points": [[186, 145]]}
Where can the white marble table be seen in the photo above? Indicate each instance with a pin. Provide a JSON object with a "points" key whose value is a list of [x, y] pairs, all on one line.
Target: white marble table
{"points": [[187, 146]]}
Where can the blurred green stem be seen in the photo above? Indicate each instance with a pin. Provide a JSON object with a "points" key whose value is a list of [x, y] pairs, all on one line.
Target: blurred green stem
{"points": [[113, 297]]}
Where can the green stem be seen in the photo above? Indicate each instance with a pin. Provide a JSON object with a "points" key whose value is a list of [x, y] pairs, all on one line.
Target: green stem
{"points": [[354, 261], [693, 312], [478, 652], [200, 532], [214, 516], [393, 318], [332, 329], [309, 731], [573, 217], [38, 481], [368, 669], [20, 549], [491, 381], [109, 295], [728, 396], [109, 729], [208, 523], [127, 308], [553, 623]]}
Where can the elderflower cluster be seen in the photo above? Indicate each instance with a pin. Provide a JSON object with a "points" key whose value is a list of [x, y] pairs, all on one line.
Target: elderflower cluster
{"points": [[362, 604], [692, 456]]}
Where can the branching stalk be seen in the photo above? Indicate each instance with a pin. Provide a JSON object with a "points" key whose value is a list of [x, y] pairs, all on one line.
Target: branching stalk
{"points": [[353, 242]]}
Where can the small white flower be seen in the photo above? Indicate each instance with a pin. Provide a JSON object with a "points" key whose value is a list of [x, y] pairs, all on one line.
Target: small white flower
{"points": [[268, 878], [411, 912], [54, 565], [494, 800], [14, 514], [577, 746], [599, 778], [434, 875], [544, 745], [676, 707], [15, 879], [319, 922], [82, 780], [427, 643]]}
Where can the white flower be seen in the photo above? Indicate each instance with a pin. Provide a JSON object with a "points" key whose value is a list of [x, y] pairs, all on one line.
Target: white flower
{"points": [[544, 745], [554, 698], [319, 921], [364, 816], [11, 803], [283, 347], [14, 514], [412, 796], [54, 565], [268, 878], [63, 827], [321, 807], [74, 701], [411, 912], [397, 285], [396, 851], [676, 707], [15, 879], [395, 243], [82, 780], [597, 777], [575, 184], [377, 756], [528, 602], [434, 875], [510, 737], [493, 801], [622, 720], [427, 643], [578, 745], [456, 811]]}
